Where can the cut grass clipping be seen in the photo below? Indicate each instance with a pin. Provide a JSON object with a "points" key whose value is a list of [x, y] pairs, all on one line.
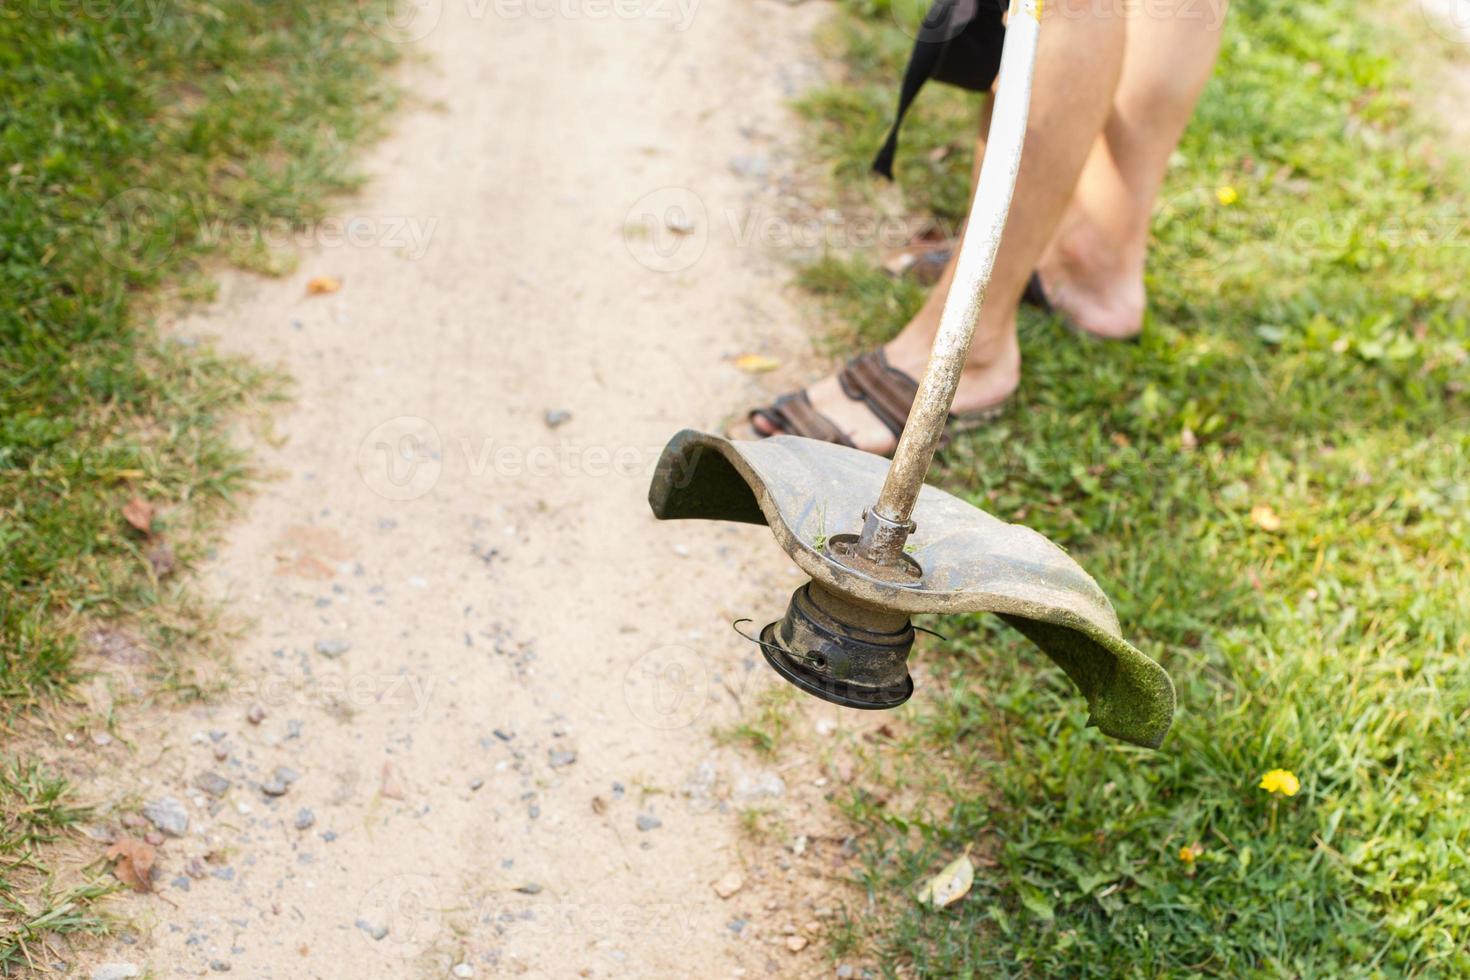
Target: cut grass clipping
{"points": [[1273, 489], [137, 141]]}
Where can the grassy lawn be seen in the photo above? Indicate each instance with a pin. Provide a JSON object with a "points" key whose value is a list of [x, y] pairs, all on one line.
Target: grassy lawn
{"points": [[1274, 488], [129, 135]]}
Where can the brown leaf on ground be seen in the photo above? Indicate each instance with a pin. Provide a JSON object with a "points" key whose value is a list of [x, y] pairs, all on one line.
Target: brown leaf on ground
{"points": [[322, 285], [139, 513], [134, 866], [310, 552]]}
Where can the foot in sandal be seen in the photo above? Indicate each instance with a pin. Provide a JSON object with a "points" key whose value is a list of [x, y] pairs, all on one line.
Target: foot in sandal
{"points": [[866, 403]]}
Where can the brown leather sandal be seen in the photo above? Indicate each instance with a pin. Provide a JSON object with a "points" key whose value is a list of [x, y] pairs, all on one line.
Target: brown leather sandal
{"points": [[886, 391]]}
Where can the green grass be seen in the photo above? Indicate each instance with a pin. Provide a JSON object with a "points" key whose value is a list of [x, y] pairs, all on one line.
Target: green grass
{"points": [[34, 814], [131, 135], [1306, 351]]}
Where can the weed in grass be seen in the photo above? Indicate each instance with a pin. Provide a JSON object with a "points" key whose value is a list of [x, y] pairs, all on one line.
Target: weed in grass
{"points": [[1305, 351], [764, 728]]}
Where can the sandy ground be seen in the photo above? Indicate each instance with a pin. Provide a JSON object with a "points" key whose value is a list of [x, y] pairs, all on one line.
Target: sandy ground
{"points": [[471, 732]]}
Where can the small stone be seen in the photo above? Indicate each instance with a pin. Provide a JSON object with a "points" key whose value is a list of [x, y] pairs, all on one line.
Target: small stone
{"points": [[286, 774], [561, 758], [845, 971], [796, 943], [729, 885], [754, 167], [462, 970], [212, 783], [504, 735], [167, 813], [332, 648], [116, 971], [101, 833], [195, 868], [274, 786], [372, 929], [751, 787], [530, 888], [647, 821], [220, 966], [476, 784], [255, 715], [305, 819], [556, 417], [737, 926], [154, 837]]}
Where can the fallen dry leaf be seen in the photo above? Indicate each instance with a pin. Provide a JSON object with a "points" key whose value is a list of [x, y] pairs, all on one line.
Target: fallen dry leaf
{"points": [[134, 866], [1265, 518], [139, 513], [756, 363], [951, 884], [322, 285]]}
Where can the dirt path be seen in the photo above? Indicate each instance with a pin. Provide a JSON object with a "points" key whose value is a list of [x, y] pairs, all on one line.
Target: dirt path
{"points": [[482, 663]]}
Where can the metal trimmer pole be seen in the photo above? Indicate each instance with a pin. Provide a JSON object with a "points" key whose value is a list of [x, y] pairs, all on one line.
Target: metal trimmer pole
{"points": [[888, 523]]}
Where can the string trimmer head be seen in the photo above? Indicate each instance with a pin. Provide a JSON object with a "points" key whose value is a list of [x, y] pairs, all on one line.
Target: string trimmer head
{"points": [[880, 546], [846, 634]]}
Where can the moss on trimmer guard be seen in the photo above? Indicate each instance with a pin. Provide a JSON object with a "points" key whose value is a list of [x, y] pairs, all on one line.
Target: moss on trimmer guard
{"points": [[806, 490]]}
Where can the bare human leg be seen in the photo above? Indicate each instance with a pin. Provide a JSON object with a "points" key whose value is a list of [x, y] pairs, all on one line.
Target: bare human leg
{"points": [[1093, 270], [1078, 65]]}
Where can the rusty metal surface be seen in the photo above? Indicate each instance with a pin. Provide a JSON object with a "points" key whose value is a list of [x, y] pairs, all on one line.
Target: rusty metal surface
{"points": [[807, 491]]}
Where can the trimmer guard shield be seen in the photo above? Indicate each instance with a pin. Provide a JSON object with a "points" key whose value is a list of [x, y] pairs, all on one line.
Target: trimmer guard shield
{"points": [[806, 490]]}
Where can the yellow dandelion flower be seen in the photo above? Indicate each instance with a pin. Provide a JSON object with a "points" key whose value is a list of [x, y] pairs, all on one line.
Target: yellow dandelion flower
{"points": [[1227, 195], [1190, 853], [1281, 781]]}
